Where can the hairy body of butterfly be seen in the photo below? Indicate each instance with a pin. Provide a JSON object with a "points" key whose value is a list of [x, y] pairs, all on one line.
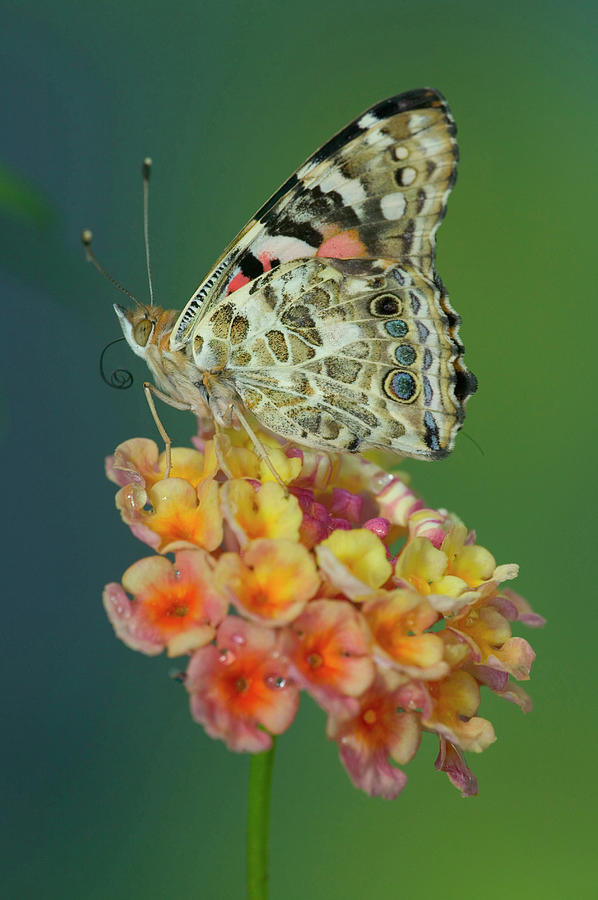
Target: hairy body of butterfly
{"points": [[325, 317]]}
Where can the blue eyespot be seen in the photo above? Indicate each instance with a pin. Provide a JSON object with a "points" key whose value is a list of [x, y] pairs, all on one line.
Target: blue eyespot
{"points": [[396, 328], [405, 355], [402, 384]]}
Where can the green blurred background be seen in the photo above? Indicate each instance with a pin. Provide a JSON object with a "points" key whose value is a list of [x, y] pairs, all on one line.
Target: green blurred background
{"points": [[110, 790]]}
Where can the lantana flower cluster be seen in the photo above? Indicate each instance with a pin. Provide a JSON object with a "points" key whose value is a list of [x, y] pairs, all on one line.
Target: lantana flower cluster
{"points": [[340, 584]]}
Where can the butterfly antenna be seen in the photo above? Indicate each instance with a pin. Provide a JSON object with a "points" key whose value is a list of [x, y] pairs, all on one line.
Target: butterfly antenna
{"points": [[473, 441], [86, 239], [146, 169]]}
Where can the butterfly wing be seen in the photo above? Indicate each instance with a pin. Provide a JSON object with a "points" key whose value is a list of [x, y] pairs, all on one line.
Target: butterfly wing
{"points": [[344, 354], [377, 189]]}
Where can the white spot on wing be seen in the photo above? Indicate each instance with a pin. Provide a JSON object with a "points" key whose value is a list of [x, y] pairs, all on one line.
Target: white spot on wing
{"points": [[418, 121], [368, 120], [393, 205], [350, 189], [434, 145], [408, 175], [400, 152], [379, 139]]}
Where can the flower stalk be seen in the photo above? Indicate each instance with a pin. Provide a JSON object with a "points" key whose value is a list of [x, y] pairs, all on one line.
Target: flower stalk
{"points": [[258, 823]]}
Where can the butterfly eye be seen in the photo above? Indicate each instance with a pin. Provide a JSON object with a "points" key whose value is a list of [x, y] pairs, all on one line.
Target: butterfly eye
{"points": [[143, 331]]}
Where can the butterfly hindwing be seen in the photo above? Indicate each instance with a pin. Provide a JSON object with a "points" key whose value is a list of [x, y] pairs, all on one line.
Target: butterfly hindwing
{"points": [[345, 354], [377, 189]]}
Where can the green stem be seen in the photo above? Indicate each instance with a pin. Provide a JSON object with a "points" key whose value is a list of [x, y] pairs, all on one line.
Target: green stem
{"points": [[258, 823]]}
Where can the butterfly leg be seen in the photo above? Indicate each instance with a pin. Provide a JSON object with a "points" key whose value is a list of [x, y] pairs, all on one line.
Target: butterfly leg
{"points": [[150, 391], [223, 401], [221, 446], [260, 450]]}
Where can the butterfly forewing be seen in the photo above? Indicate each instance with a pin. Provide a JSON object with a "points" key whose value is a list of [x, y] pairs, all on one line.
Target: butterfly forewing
{"points": [[376, 189]]}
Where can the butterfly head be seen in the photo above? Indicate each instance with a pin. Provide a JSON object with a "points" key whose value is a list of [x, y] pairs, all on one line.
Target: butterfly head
{"points": [[145, 328]]}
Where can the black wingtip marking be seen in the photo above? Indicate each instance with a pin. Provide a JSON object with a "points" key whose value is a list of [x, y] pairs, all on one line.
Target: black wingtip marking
{"points": [[466, 384], [453, 318], [420, 98]]}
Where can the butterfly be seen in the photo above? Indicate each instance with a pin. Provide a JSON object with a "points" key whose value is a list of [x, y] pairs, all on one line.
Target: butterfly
{"points": [[325, 318]]}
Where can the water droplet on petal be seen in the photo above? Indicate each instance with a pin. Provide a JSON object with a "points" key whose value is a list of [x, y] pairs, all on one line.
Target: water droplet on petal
{"points": [[275, 682], [227, 657], [238, 639]]}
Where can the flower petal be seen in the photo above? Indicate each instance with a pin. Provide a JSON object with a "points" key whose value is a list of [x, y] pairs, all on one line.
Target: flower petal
{"points": [[398, 621], [515, 608], [515, 657], [182, 515], [354, 561], [421, 564], [450, 760], [456, 700], [474, 565], [265, 511], [515, 694], [134, 461], [185, 463], [287, 468], [133, 630]]}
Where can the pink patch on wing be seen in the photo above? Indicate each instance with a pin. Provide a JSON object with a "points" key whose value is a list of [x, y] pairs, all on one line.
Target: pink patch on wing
{"points": [[237, 282], [345, 245], [265, 260]]}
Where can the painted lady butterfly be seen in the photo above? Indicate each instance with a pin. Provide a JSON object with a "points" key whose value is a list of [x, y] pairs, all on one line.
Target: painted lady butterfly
{"points": [[325, 317]]}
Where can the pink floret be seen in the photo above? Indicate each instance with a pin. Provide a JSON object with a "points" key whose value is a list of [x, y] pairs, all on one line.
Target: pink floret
{"points": [[240, 689]]}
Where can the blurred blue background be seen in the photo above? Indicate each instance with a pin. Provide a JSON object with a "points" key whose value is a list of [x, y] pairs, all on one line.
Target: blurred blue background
{"points": [[109, 788]]}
